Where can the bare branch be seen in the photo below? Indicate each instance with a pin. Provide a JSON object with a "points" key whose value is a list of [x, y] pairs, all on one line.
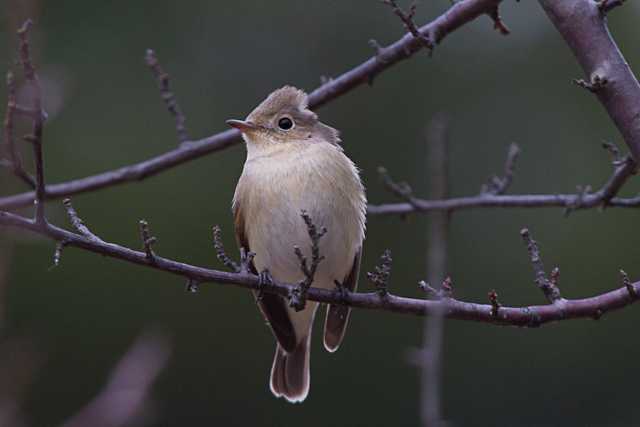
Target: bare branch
{"points": [[298, 297], [583, 200], [548, 287], [221, 254], [15, 162], [531, 316], [407, 20], [582, 24], [400, 189], [168, 97], [38, 118], [455, 17]]}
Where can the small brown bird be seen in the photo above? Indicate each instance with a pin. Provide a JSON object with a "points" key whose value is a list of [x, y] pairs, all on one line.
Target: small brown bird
{"points": [[294, 163]]}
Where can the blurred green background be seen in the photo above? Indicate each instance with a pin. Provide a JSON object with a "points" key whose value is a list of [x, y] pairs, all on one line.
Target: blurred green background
{"points": [[224, 57]]}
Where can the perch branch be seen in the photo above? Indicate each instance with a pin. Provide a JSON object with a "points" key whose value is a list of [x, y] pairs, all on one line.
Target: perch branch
{"points": [[455, 17], [530, 316]]}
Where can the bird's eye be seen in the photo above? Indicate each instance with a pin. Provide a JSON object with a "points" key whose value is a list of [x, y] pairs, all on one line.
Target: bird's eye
{"points": [[285, 123]]}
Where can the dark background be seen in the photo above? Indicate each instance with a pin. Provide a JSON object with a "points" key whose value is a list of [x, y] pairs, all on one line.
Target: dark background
{"points": [[225, 57]]}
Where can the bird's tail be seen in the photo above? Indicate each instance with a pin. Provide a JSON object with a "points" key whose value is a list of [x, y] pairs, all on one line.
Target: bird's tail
{"points": [[290, 372]]}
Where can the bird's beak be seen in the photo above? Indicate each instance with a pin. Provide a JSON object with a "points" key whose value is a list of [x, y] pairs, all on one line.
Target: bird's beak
{"points": [[242, 125]]}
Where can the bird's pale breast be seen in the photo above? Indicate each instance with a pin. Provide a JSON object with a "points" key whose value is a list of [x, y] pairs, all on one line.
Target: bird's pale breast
{"points": [[317, 178]]}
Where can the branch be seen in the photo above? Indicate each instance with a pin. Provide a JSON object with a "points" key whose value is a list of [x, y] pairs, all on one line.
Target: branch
{"points": [[497, 185], [38, 118], [410, 25], [15, 159], [548, 287], [583, 25], [168, 97], [623, 170], [437, 253], [530, 316], [455, 17]]}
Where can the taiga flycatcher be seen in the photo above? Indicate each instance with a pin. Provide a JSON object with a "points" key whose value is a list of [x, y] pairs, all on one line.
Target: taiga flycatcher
{"points": [[294, 163]]}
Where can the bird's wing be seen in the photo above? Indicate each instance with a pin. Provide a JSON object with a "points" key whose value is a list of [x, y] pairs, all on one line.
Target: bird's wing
{"points": [[272, 306], [335, 324]]}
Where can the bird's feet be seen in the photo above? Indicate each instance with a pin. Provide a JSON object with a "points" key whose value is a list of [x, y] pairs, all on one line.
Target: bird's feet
{"points": [[343, 292], [264, 279]]}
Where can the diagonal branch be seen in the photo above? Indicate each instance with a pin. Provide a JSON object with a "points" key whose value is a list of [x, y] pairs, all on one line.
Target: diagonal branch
{"points": [[455, 17], [583, 26]]}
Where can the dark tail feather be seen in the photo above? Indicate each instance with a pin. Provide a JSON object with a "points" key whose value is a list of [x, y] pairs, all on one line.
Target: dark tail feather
{"points": [[290, 372], [335, 325]]}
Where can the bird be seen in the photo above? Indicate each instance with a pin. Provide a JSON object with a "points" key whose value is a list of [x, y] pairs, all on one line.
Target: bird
{"points": [[294, 164]]}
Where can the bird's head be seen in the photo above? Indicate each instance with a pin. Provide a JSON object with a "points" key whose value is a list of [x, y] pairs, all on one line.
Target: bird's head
{"points": [[284, 117]]}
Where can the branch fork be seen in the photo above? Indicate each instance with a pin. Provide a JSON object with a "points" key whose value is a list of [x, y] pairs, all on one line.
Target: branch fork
{"points": [[410, 25]]}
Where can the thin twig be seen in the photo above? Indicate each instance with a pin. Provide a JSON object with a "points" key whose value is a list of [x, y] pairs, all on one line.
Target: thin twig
{"points": [[497, 185], [400, 189], [77, 222], [409, 24], [221, 254], [168, 97], [548, 287], [147, 240], [627, 284], [298, 297], [38, 119], [15, 162]]}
